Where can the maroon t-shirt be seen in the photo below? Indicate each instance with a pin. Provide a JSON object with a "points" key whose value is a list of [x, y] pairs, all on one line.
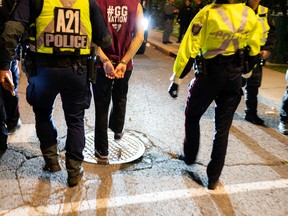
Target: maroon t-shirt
{"points": [[120, 16]]}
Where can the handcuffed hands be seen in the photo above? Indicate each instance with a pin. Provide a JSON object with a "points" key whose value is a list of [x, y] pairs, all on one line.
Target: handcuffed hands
{"points": [[114, 73]]}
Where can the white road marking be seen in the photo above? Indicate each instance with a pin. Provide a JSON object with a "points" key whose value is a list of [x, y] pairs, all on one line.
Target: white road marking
{"points": [[85, 205]]}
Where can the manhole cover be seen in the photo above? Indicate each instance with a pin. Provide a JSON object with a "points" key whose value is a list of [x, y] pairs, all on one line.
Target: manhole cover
{"points": [[128, 149]]}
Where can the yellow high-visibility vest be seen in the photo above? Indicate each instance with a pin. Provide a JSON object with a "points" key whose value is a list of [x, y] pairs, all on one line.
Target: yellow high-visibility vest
{"points": [[262, 13], [218, 29], [64, 27]]}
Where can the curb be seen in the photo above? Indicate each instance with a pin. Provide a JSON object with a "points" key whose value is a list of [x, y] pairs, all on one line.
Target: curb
{"points": [[165, 49]]}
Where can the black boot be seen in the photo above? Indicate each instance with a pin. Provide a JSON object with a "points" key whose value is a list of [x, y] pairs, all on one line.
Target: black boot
{"points": [[50, 156], [75, 171], [251, 102], [253, 118], [212, 185]]}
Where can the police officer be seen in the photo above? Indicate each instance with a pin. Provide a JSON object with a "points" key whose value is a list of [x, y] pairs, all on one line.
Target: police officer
{"points": [[9, 111], [218, 33], [266, 27], [169, 14], [184, 18], [59, 46]]}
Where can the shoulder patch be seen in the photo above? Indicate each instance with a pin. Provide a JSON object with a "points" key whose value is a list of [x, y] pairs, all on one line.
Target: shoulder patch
{"points": [[196, 29]]}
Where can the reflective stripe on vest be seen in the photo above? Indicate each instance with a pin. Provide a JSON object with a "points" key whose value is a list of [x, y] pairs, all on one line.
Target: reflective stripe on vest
{"points": [[229, 24], [64, 26], [263, 23]]}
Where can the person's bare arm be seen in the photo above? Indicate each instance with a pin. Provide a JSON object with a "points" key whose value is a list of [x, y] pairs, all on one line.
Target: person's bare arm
{"points": [[135, 44], [107, 64]]}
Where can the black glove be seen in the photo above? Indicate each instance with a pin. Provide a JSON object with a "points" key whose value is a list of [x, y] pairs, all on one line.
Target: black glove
{"points": [[173, 90]]}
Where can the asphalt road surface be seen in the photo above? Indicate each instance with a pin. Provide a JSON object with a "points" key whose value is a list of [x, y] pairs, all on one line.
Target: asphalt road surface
{"points": [[254, 180]]}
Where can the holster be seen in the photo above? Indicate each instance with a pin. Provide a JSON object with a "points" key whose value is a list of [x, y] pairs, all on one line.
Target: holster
{"points": [[92, 66], [243, 62], [200, 66], [28, 62]]}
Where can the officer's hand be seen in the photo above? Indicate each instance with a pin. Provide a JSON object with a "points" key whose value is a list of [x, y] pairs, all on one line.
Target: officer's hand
{"points": [[7, 81], [264, 54], [173, 90]]}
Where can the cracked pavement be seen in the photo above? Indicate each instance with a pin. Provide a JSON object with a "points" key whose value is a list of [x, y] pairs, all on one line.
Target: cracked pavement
{"points": [[254, 180]]}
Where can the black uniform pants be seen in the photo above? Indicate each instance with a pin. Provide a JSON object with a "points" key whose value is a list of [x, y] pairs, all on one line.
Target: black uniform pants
{"points": [[103, 90], [168, 29], [222, 85], [74, 89], [252, 88]]}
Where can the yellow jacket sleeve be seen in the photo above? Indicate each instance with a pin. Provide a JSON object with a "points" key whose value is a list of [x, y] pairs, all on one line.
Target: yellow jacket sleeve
{"points": [[190, 45]]}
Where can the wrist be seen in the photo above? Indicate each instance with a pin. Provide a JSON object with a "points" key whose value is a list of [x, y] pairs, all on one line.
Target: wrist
{"points": [[175, 79], [123, 62]]}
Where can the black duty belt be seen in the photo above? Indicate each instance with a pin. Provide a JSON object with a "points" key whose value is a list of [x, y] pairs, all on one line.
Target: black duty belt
{"points": [[220, 59], [46, 60]]}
